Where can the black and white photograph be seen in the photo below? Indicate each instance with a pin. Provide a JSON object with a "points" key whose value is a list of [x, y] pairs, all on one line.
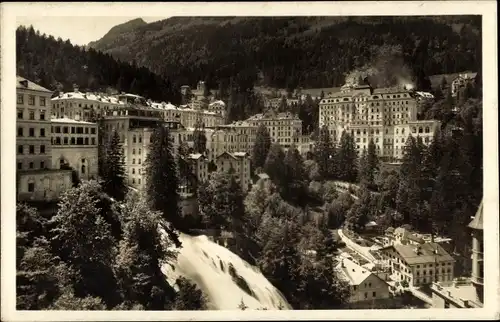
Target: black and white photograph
{"points": [[170, 158]]}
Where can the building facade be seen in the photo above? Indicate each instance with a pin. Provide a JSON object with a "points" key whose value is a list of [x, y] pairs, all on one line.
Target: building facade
{"points": [[284, 128], [36, 178], [74, 144], [418, 264], [239, 164], [461, 81], [388, 116], [365, 286]]}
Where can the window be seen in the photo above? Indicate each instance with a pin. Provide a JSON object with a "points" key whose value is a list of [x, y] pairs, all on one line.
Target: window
{"points": [[32, 149], [20, 131], [374, 294], [140, 152], [133, 161], [93, 130], [65, 140], [20, 114], [42, 165], [65, 129], [93, 141], [31, 165], [31, 186], [32, 115], [20, 149], [42, 149], [86, 141], [366, 295], [133, 170], [31, 131], [134, 139], [42, 101], [42, 133], [140, 139], [83, 168], [31, 100], [133, 151], [19, 166], [20, 99]]}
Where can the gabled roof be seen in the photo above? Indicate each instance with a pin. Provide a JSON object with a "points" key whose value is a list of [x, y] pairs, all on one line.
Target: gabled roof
{"points": [[352, 272], [23, 83], [195, 156], [427, 253], [477, 222]]}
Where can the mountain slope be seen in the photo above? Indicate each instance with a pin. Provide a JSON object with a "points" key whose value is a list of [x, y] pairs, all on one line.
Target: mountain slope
{"points": [[295, 51], [58, 65], [118, 32]]}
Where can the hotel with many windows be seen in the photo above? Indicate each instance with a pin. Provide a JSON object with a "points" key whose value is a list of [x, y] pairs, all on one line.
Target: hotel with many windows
{"points": [[386, 115]]}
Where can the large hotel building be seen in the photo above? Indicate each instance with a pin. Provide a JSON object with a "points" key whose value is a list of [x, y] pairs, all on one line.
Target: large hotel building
{"points": [[386, 115]]}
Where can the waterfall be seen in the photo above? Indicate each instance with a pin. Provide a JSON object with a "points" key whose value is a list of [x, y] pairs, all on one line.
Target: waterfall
{"points": [[223, 276]]}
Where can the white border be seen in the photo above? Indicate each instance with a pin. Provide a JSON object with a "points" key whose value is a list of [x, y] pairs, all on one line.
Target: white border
{"points": [[487, 9]]}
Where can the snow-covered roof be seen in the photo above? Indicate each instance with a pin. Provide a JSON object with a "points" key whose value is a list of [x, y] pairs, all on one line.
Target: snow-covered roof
{"points": [[352, 272], [67, 120], [219, 102], [425, 94], [23, 83], [240, 154], [88, 97], [195, 156]]}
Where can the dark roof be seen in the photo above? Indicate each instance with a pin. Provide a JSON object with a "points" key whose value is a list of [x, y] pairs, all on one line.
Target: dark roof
{"points": [[477, 222], [428, 252], [23, 83]]}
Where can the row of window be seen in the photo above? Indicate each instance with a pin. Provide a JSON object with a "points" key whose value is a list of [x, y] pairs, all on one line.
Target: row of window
{"points": [[74, 129], [31, 165], [31, 149], [73, 141], [41, 115], [31, 100], [31, 132]]}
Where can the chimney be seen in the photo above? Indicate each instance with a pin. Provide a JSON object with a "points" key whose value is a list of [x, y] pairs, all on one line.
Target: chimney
{"points": [[75, 88], [24, 82]]}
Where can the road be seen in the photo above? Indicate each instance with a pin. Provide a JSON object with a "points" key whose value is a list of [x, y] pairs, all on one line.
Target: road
{"points": [[360, 250]]}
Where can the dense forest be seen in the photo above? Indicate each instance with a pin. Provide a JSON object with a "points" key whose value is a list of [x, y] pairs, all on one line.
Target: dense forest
{"points": [[290, 52], [58, 65]]}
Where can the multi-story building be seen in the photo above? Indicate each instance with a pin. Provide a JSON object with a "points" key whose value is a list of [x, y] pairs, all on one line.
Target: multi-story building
{"points": [[385, 115], [235, 137], [218, 107], [461, 81], [419, 264], [74, 144], [365, 285], [199, 165], [188, 116], [284, 128], [83, 106], [465, 292], [36, 179], [239, 164]]}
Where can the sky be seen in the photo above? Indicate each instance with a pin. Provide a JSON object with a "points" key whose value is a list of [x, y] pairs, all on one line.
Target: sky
{"points": [[79, 30]]}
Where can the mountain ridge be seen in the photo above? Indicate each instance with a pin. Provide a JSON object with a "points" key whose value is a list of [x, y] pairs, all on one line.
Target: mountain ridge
{"points": [[288, 52]]}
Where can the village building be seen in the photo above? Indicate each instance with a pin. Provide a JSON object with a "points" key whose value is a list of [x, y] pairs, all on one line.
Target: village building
{"points": [[365, 285], [386, 115], [418, 264], [237, 163], [37, 179]]}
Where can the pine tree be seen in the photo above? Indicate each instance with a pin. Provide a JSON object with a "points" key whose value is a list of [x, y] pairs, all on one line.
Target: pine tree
{"points": [[363, 168], [372, 164], [274, 166], [294, 186], [324, 154], [141, 253], [83, 240], [114, 169], [347, 158], [261, 147], [161, 176]]}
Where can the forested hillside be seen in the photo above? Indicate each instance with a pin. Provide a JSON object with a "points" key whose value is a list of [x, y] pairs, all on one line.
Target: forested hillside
{"points": [[58, 65], [296, 51]]}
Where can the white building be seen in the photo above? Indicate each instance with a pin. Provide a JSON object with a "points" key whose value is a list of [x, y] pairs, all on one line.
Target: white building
{"points": [[388, 116], [365, 285], [239, 164], [284, 128]]}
